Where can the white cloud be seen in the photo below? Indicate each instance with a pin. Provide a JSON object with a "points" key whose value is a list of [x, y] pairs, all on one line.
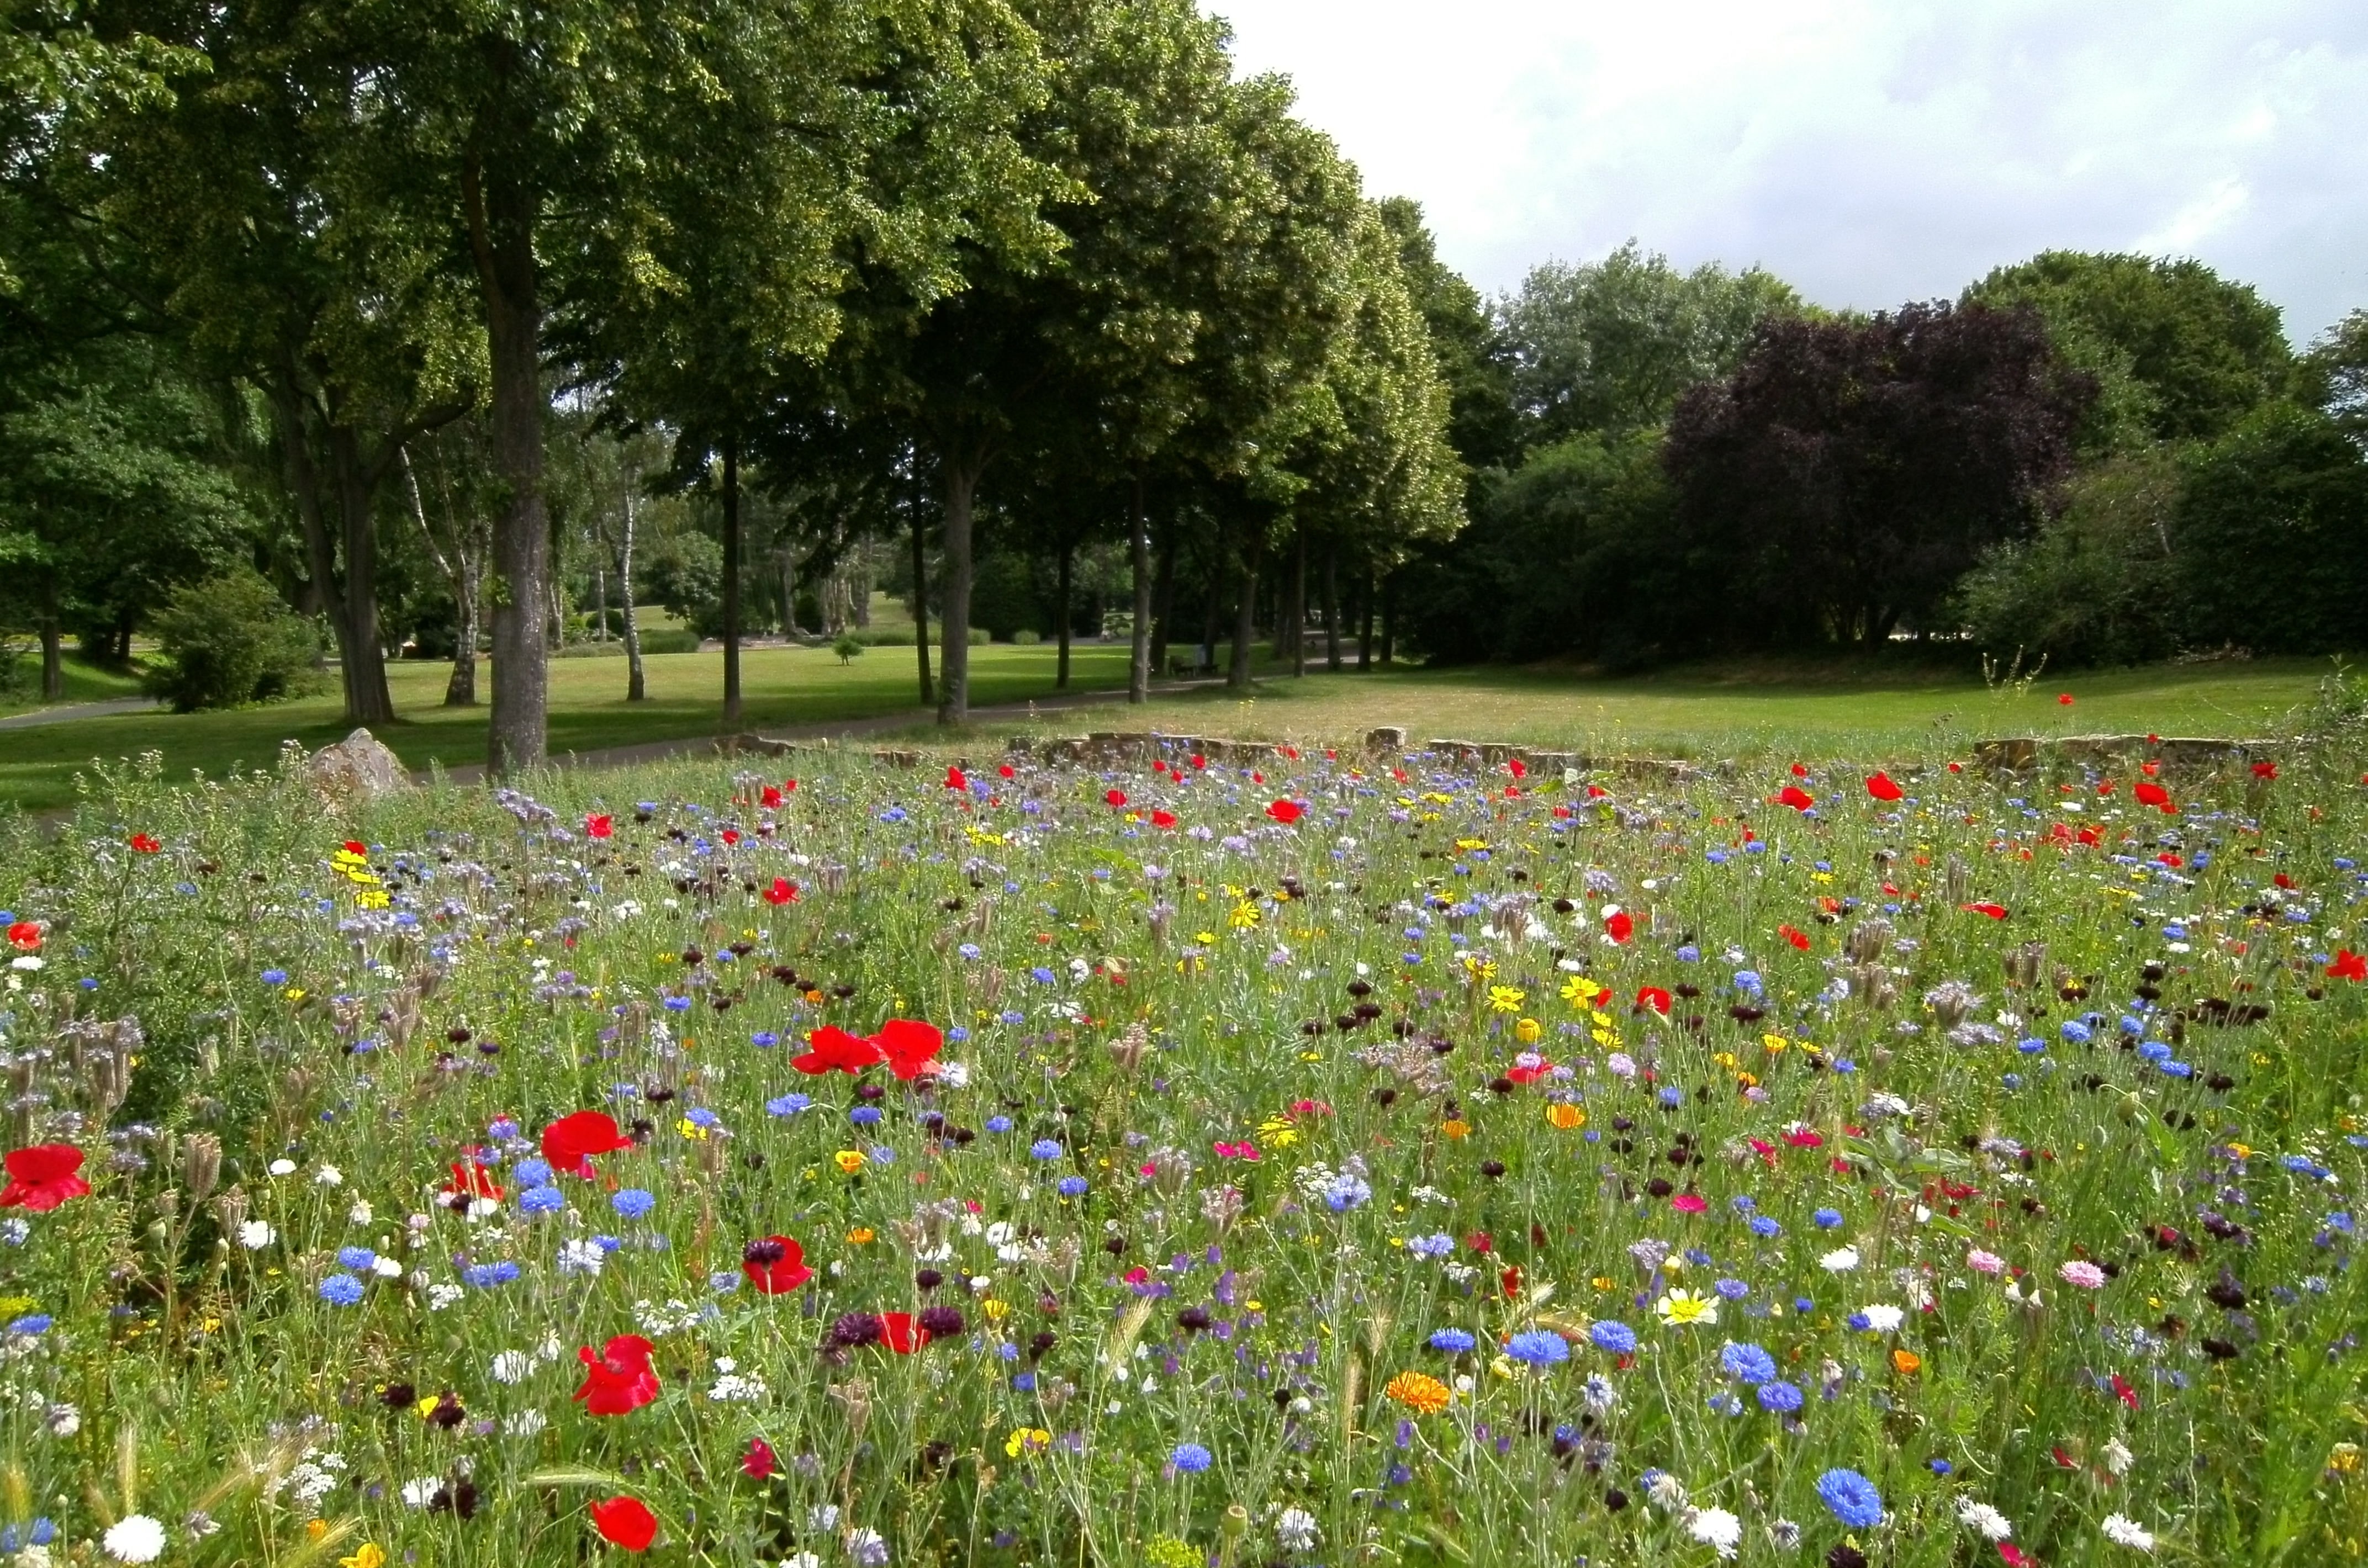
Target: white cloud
{"points": [[1870, 151]]}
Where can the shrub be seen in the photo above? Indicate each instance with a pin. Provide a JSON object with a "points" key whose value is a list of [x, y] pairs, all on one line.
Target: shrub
{"points": [[229, 641], [2095, 585], [1026, 637], [849, 647], [2266, 537]]}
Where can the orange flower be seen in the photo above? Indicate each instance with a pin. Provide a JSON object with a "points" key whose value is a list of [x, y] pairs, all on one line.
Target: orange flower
{"points": [[1566, 1116], [1419, 1392], [1907, 1362], [1459, 1128]]}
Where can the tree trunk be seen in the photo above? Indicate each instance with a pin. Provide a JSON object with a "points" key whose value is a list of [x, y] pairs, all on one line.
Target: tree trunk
{"points": [[920, 588], [1299, 608], [1389, 622], [1238, 675], [962, 470], [367, 701], [1064, 615], [1164, 604], [861, 584], [53, 666], [321, 595], [1332, 608], [501, 234], [636, 683], [790, 627], [601, 600], [731, 582], [1210, 608], [1138, 665], [1366, 634]]}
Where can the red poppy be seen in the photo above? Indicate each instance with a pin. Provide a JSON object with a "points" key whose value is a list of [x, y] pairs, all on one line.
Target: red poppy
{"points": [[731, 836], [2014, 1556], [789, 785], [144, 844], [1007, 771], [901, 1334], [41, 1177], [1619, 926], [771, 796], [1656, 998], [25, 936], [1163, 819], [474, 1180], [598, 824], [1258, 778], [1116, 798], [1285, 811], [2063, 700], [1995, 911], [832, 1047], [1798, 938], [356, 847], [758, 1463], [570, 1142], [1200, 761], [1881, 787], [908, 1045], [2265, 770], [2154, 795], [616, 1378], [1800, 770], [954, 779], [1531, 1074], [1800, 799], [2348, 965], [783, 891], [775, 1265], [626, 1522], [1517, 768]]}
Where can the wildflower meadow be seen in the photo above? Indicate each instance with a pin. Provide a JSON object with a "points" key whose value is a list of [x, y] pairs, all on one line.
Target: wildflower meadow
{"points": [[1308, 1158]]}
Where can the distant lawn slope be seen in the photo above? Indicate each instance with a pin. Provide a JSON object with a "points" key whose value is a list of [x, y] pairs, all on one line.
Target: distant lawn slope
{"points": [[1874, 711], [84, 683]]}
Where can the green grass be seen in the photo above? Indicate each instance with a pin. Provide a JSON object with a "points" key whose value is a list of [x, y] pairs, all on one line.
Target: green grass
{"points": [[588, 712], [84, 683], [1731, 710]]}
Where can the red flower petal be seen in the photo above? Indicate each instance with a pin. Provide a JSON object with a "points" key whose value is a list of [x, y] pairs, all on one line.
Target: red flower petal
{"points": [[626, 1522]]}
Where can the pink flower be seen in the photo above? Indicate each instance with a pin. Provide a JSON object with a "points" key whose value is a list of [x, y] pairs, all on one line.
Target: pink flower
{"points": [[1985, 1261], [2087, 1276], [1689, 1203]]}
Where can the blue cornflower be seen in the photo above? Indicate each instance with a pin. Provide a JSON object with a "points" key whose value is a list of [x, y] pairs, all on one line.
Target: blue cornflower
{"points": [[678, 1004], [1041, 975], [700, 1116], [788, 1105], [486, 1276], [1438, 1245], [1346, 1191], [1611, 1335], [531, 1173], [764, 1040], [1766, 1225], [1852, 1497], [358, 1259], [1749, 1363], [1538, 1347], [1454, 1341], [1191, 1458], [998, 1124], [1733, 1289], [275, 977], [865, 1114], [1044, 1149], [341, 1289], [633, 1202], [1826, 1219], [881, 1154], [1072, 1186], [1859, 1321], [31, 1323], [2074, 1031], [1673, 1097], [1780, 1397]]}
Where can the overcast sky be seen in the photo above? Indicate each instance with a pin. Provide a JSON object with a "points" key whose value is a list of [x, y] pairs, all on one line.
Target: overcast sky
{"points": [[1869, 151]]}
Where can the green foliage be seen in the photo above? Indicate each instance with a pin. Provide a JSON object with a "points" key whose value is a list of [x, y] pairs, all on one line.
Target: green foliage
{"points": [[1610, 346], [1004, 600], [2181, 352], [2268, 537], [227, 642], [2335, 374], [2095, 584], [847, 647], [1568, 557]]}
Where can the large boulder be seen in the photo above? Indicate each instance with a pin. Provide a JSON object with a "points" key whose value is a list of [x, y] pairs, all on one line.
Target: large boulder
{"points": [[356, 771]]}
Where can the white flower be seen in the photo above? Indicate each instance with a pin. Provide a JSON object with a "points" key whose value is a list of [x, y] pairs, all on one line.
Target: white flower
{"points": [[135, 1539], [329, 1176], [581, 1257], [420, 1492], [801, 1559], [1983, 1519], [283, 1168], [1716, 1528], [822, 1516], [526, 1423], [29, 962], [255, 1235], [442, 1296], [2127, 1532], [63, 1420], [2118, 1458], [1666, 1490], [954, 1075], [360, 1213], [1884, 1318], [512, 1367], [386, 1267], [1294, 1530], [1841, 1260]]}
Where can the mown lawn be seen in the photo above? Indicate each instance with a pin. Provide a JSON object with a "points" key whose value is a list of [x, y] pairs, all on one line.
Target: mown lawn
{"points": [[84, 683], [1872, 712]]}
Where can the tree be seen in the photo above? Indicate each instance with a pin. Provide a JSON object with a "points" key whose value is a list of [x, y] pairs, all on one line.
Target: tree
{"points": [[2266, 535], [1610, 345], [2335, 374], [2179, 353], [1475, 359], [1848, 472]]}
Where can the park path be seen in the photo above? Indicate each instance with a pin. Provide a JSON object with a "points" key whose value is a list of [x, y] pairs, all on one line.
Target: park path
{"points": [[70, 712]]}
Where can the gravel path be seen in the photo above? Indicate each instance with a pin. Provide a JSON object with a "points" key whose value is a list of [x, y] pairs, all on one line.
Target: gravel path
{"points": [[40, 716]]}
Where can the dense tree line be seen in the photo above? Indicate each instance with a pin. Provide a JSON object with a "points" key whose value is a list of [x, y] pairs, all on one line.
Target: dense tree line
{"points": [[438, 317], [463, 330], [2096, 458]]}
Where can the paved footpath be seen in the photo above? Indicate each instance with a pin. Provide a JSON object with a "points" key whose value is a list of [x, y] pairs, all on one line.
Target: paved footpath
{"points": [[40, 716]]}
